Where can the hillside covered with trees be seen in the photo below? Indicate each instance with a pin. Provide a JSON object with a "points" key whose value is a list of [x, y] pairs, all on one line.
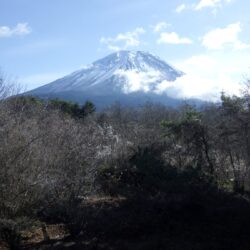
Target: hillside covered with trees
{"points": [[150, 177]]}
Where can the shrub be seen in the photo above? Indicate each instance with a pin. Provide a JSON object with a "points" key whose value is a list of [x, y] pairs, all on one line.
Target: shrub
{"points": [[9, 233], [144, 172]]}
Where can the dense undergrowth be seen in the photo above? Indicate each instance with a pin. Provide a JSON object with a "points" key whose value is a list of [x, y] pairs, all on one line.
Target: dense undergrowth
{"points": [[177, 178]]}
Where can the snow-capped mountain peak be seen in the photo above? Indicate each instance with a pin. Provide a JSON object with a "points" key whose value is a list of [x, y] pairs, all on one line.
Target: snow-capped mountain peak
{"points": [[134, 60], [120, 73]]}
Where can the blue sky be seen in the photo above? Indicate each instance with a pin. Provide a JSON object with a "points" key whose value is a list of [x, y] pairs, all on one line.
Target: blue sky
{"points": [[207, 39]]}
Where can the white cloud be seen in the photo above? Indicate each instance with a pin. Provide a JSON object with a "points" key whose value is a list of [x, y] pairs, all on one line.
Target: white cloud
{"points": [[181, 8], [207, 75], [164, 86], [160, 26], [210, 4], [173, 38], [220, 37], [124, 40], [203, 4], [19, 30], [138, 81], [194, 86]]}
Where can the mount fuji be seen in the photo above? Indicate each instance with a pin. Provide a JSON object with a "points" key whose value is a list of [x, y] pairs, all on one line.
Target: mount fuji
{"points": [[130, 77]]}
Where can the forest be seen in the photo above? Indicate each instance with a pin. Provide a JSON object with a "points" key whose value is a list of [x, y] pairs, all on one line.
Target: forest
{"points": [[148, 177]]}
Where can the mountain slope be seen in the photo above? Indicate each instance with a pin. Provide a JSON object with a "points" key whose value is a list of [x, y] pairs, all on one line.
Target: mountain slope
{"points": [[129, 77]]}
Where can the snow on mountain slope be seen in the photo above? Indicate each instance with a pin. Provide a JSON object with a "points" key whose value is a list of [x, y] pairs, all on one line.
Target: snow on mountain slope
{"points": [[124, 72]]}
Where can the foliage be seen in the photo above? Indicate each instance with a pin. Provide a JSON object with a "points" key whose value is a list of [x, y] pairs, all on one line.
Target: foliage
{"points": [[73, 109], [192, 136]]}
